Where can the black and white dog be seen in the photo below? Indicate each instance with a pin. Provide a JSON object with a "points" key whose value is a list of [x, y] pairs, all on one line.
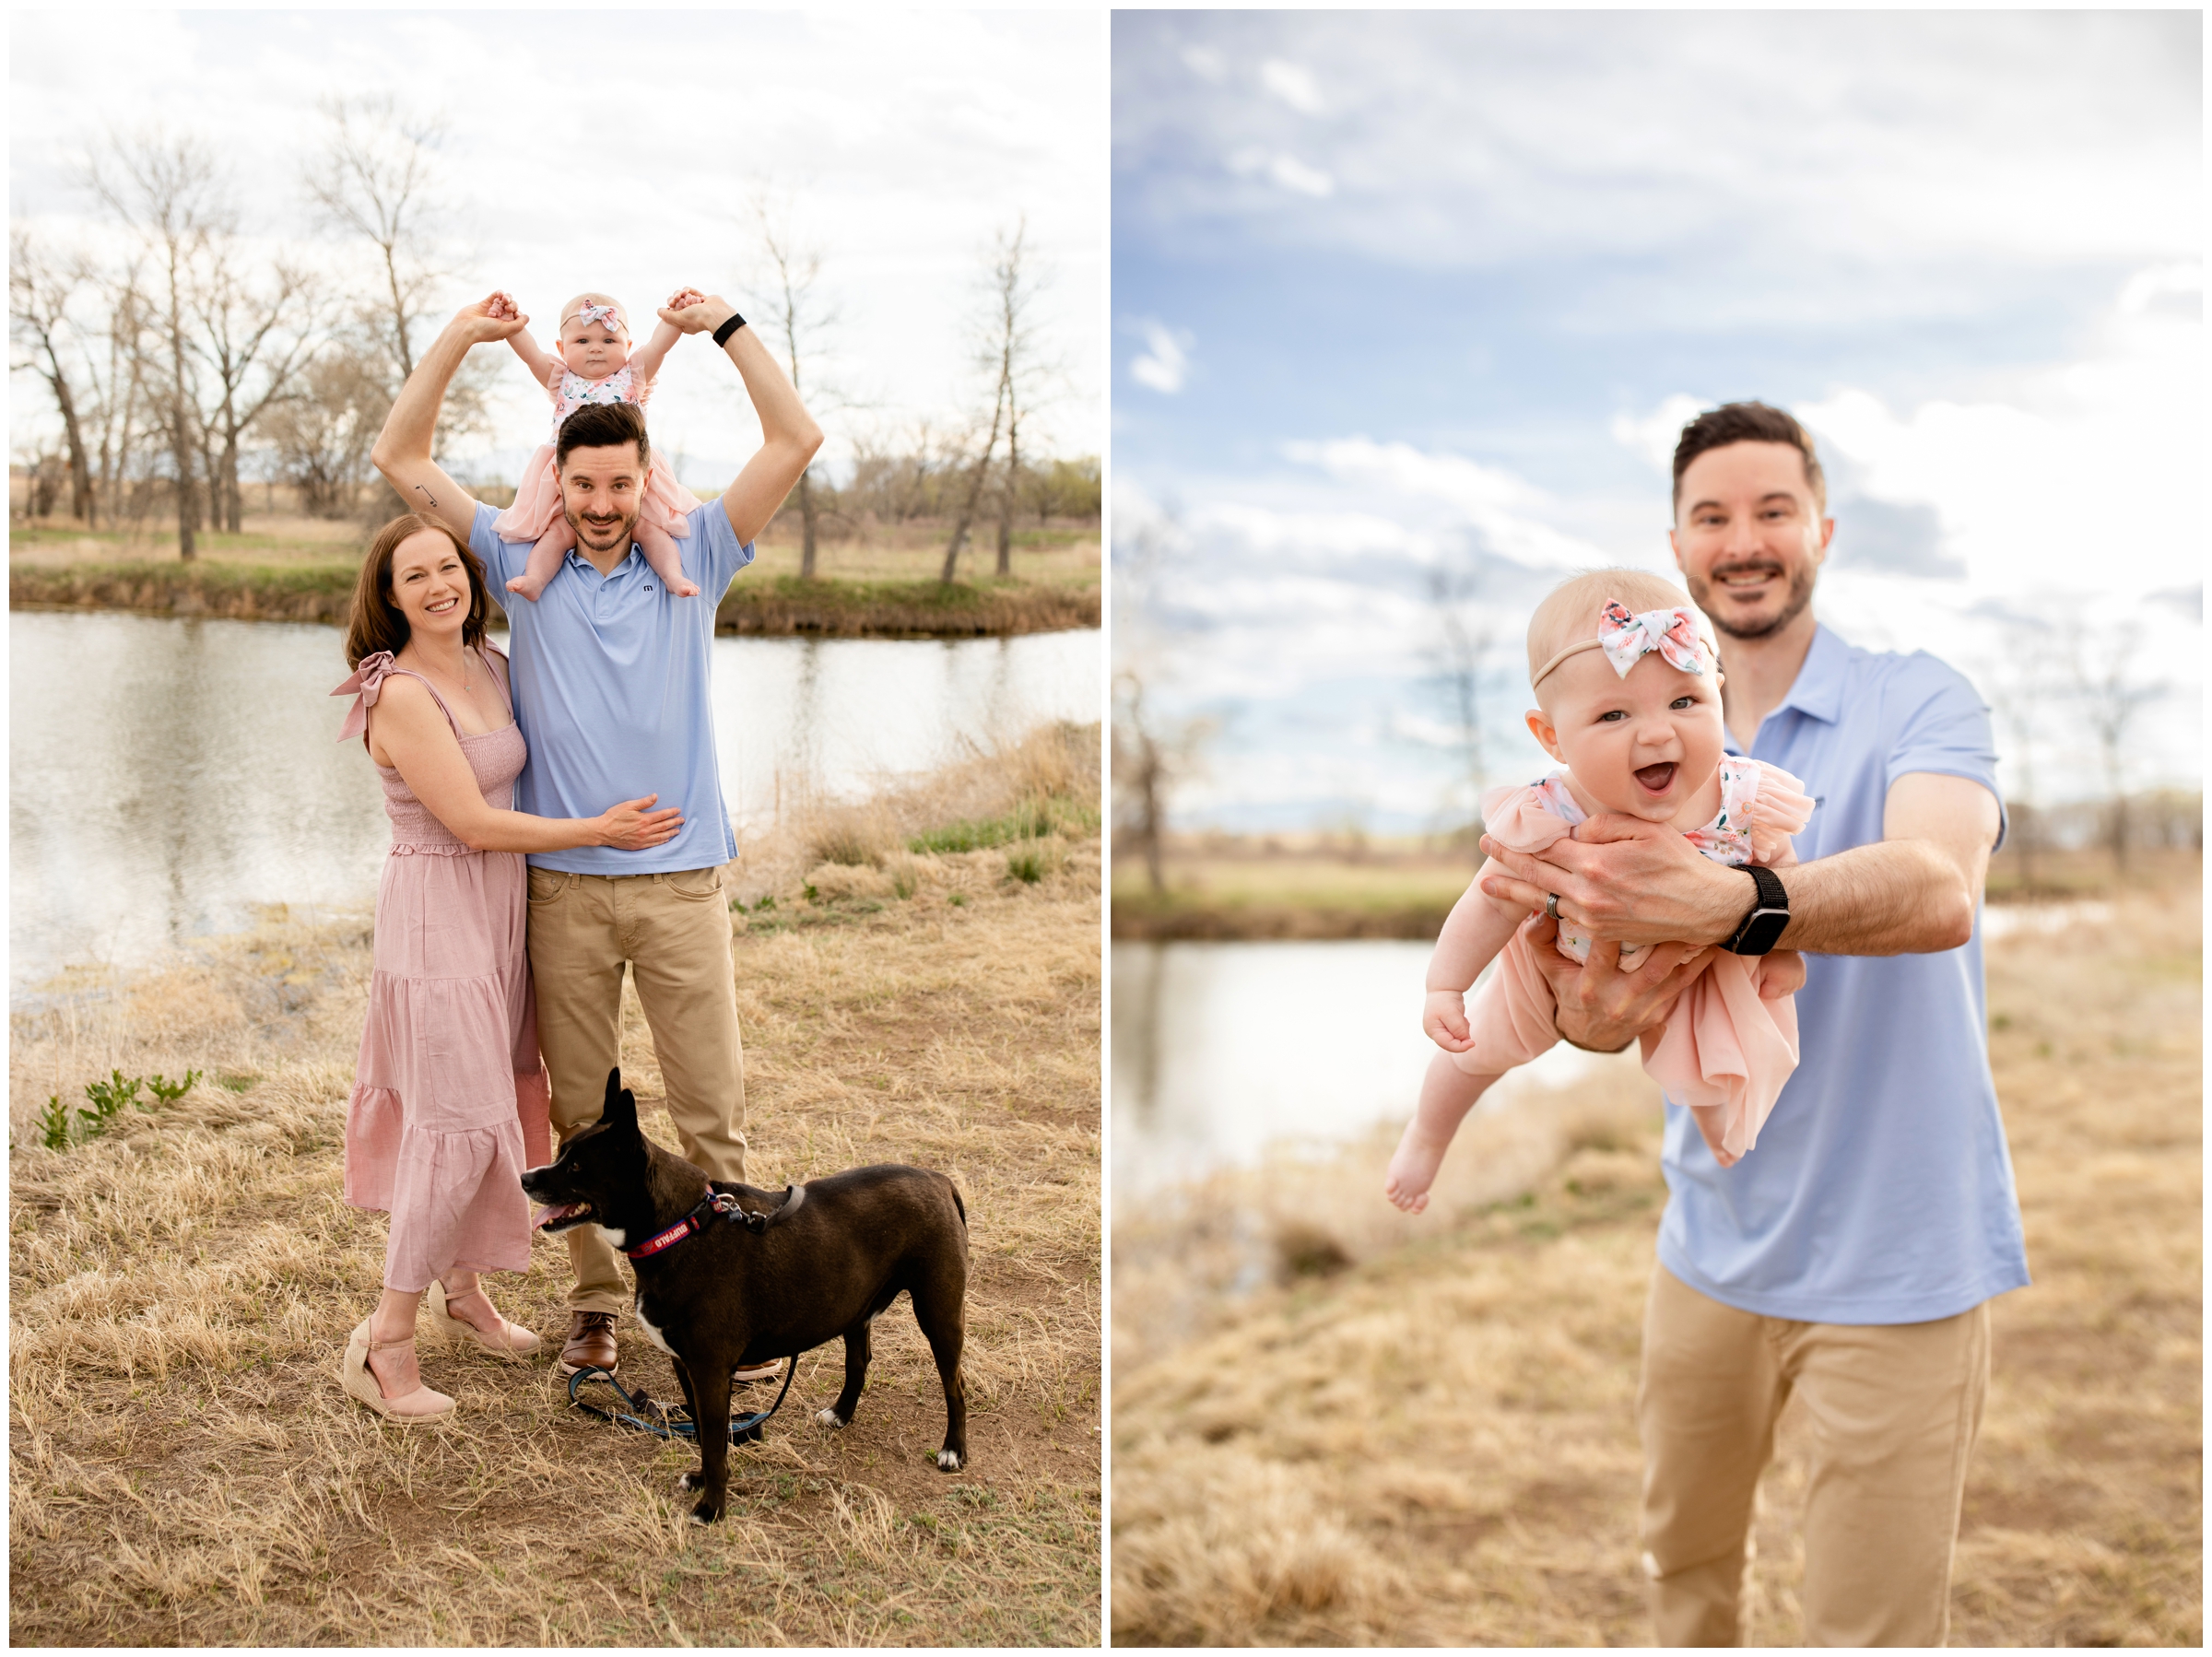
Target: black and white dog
{"points": [[782, 1273]]}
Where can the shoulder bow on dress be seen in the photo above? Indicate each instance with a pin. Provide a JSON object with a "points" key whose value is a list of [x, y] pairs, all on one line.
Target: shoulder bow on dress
{"points": [[367, 682]]}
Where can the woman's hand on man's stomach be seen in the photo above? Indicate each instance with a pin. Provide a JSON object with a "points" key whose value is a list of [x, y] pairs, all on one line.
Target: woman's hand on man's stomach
{"points": [[634, 826]]}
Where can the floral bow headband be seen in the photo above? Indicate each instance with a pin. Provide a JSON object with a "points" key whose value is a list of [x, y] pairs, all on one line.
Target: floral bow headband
{"points": [[609, 314], [1626, 637]]}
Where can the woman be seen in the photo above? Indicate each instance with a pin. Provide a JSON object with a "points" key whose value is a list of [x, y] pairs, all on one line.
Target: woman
{"points": [[449, 1101]]}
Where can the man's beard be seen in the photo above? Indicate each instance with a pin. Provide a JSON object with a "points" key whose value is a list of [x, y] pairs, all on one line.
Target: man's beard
{"points": [[1800, 595], [597, 535]]}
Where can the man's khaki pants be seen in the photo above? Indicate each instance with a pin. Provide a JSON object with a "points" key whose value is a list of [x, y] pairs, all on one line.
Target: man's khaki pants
{"points": [[1893, 1409], [673, 931]]}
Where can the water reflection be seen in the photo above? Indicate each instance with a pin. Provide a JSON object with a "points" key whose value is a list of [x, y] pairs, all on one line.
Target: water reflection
{"points": [[167, 774], [1223, 1052]]}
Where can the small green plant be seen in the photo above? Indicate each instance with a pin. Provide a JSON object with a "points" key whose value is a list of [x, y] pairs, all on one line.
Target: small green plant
{"points": [[170, 1092], [812, 895], [1025, 865], [959, 900], [767, 902], [53, 1124], [108, 1099]]}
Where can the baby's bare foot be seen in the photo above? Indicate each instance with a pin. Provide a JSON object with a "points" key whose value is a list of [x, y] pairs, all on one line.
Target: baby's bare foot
{"points": [[684, 589], [1412, 1170], [529, 586]]}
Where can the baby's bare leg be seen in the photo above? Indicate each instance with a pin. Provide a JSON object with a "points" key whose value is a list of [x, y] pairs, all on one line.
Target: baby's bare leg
{"points": [[544, 559], [666, 558], [1448, 1093]]}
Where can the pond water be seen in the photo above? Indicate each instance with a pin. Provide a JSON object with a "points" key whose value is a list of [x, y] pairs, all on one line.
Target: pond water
{"points": [[1223, 1052], [167, 775]]}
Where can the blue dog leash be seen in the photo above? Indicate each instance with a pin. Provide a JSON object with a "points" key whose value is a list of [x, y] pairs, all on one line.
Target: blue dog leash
{"points": [[674, 1427]]}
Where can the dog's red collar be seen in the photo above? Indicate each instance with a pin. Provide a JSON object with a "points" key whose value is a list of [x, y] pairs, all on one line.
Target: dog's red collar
{"points": [[718, 1203]]}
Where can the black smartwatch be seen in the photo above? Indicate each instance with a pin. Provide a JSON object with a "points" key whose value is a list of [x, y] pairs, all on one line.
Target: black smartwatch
{"points": [[1769, 913]]}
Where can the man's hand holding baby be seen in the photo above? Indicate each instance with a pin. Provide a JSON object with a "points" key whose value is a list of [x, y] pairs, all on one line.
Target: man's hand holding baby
{"points": [[1445, 1020], [1623, 880]]}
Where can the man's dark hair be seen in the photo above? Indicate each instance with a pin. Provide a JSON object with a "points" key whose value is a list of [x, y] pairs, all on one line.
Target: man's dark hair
{"points": [[602, 426], [1740, 423]]}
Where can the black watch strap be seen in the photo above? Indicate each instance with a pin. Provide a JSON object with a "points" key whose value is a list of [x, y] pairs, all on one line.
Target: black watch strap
{"points": [[721, 334], [1763, 928]]}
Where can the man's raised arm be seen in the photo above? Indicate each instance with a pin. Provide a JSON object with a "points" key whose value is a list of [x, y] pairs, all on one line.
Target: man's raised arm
{"points": [[403, 448], [788, 434]]}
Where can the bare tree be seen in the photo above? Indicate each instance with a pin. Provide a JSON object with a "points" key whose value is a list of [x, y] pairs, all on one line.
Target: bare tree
{"points": [[373, 178], [799, 324], [169, 190], [39, 293], [1462, 659], [253, 336], [976, 474], [2021, 690], [1014, 286], [1005, 342], [324, 432], [2104, 678]]}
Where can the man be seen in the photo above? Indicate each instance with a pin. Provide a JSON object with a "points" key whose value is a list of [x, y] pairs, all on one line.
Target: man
{"points": [[611, 691], [1851, 1256]]}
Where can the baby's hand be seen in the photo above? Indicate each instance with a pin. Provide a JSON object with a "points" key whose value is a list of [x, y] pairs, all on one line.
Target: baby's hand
{"points": [[1781, 973], [683, 299], [1445, 1020]]}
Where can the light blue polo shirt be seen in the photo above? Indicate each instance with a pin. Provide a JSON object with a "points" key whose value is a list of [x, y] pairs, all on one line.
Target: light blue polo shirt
{"points": [[1880, 1191], [611, 692]]}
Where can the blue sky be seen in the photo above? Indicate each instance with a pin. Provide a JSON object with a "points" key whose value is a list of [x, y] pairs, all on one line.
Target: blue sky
{"points": [[1395, 294], [615, 149]]}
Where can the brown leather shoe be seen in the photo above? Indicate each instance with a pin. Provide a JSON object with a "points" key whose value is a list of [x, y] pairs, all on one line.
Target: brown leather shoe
{"points": [[590, 1344]]}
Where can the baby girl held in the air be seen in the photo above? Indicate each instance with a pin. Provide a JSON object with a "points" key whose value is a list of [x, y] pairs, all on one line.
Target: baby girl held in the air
{"points": [[1629, 702], [597, 365]]}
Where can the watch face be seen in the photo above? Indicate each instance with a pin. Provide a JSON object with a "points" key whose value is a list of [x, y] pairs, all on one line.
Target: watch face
{"points": [[1763, 931]]}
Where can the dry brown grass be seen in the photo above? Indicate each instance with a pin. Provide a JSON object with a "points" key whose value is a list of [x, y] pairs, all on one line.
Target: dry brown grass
{"points": [[184, 1469], [1433, 1443]]}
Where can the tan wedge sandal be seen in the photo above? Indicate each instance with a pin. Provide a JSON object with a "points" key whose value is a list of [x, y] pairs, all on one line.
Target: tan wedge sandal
{"points": [[358, 1378], [512, 1341]]}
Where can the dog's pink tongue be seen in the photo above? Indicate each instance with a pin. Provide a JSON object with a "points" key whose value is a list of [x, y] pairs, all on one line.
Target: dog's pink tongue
{"points": [[546, 1211]]}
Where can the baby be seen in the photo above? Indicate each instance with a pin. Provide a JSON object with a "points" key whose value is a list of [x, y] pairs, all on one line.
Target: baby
{"points": [[596, 365], [1630, 702]]}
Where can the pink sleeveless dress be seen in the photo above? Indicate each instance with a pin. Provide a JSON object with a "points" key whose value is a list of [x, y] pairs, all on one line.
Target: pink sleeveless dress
{"points": [[1722, 1045], [663, 504], [450, 1101]]}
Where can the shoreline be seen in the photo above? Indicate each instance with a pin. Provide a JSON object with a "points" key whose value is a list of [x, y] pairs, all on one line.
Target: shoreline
{"points": [[773, 607]]}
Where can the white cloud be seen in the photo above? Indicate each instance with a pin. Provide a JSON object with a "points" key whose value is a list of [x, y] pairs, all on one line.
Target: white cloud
{"points": [[1854, 151], [1654, 436], [1284, 169], [1205, 63], [1293, 83], [1508, 511], [1165, 363]]}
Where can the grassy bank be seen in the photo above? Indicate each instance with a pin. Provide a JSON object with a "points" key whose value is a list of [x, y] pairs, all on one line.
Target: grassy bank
{"points": [[184, 1470], [304, 569], [1224, 886], [1422, 1432]]}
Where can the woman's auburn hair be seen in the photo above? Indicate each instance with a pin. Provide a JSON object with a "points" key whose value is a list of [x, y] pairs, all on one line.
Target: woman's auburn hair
{"points": [[375, 622]]}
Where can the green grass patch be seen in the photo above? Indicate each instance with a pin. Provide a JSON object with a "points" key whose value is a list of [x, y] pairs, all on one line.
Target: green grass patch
{"points": [[1031, 819]]}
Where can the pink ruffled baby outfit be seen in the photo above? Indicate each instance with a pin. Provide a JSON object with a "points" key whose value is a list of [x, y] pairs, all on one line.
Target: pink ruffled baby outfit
{"points": [[1722, 1045], [450, 1101], [666, 504]]}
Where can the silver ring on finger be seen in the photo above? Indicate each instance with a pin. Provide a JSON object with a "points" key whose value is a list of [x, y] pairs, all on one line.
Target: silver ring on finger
{"points": [[1552, 904]]}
